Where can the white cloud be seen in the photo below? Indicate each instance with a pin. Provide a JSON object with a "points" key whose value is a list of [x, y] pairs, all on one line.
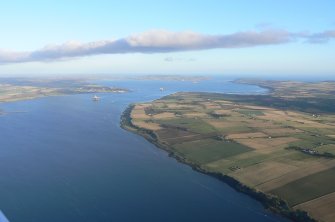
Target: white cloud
{"points": [[322, 36], [160, 41]]}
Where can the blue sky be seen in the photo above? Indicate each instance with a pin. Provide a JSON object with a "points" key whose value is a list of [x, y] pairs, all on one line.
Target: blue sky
{"points": [[70, 25]]}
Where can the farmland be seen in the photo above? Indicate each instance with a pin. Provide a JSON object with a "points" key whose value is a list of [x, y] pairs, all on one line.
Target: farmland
{"points": [[275, 144]]}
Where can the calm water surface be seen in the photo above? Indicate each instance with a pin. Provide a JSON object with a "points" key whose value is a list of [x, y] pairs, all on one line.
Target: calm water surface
{"points": [[65, 159]]}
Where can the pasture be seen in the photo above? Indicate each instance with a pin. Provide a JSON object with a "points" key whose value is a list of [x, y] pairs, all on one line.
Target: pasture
{"points": [[282, 152]]}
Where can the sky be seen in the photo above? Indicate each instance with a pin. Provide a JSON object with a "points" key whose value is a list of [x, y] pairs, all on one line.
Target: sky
{"points": [[250, 37]]}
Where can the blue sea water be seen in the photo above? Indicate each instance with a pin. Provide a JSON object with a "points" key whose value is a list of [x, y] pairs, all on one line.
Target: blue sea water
{"points": [[66, 159]]}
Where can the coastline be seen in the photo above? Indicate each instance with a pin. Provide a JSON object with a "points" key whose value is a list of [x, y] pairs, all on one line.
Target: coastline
{"points": [[269, 89], [28, 98], [55, 94], [270, 202], [29, 89]]}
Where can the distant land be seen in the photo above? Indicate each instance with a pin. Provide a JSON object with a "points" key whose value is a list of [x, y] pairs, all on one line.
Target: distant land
{"points": [[172, 78], [13, 89], [279, 148], [153, 77]]}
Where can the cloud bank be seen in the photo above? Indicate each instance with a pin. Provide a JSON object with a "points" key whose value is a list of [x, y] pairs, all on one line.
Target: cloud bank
{"points": [[161, 41]]}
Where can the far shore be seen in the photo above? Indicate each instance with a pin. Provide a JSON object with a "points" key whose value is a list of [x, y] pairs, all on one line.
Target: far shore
{"points": [[12, 90]]}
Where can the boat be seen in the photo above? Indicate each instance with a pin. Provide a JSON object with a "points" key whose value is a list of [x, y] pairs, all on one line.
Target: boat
{"points": [[95, 98], [161, 89]]}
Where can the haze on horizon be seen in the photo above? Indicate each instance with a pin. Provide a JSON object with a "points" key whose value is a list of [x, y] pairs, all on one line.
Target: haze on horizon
{"points": [[190, 37]]}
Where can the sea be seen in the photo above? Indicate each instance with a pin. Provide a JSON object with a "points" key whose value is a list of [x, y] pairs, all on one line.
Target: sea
{"points": [[66, 159]]}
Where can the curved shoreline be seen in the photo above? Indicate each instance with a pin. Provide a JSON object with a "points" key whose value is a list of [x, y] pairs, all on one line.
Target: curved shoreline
{"points": [[269, 202]]}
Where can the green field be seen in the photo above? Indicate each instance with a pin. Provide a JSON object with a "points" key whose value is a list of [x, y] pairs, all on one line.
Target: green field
{"points": [[209, 150], [193, 125], [250, 112], [308, 188]]}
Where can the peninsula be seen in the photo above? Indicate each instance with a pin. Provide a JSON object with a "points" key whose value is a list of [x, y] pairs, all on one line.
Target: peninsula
{"points": [[29, 88], [278, 148]]}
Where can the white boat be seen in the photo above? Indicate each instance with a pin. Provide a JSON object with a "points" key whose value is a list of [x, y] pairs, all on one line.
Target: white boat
{"points": [[161, 89], [95, 98]]}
